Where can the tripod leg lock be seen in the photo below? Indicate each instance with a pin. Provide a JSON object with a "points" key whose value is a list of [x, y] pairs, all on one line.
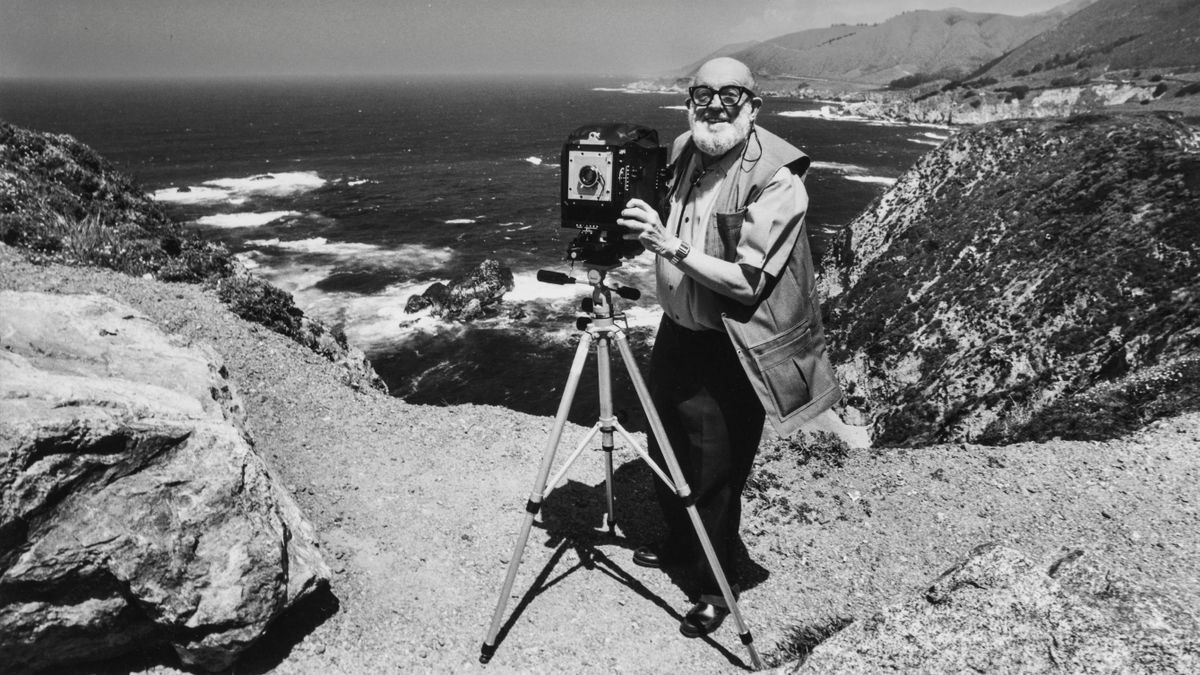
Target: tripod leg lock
{"points": [[747, 638], [689, 499], [533, 507]]}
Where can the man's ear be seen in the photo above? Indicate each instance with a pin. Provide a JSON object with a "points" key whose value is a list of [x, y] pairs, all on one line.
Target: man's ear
{"points": [[755, 104]]}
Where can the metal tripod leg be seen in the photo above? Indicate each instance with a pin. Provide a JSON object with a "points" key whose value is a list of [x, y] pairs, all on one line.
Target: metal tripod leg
{"points": [[536, 495], [607, 422], [684, 492]]}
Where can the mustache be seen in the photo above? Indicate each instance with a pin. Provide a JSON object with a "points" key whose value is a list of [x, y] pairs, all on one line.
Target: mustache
{"points": [[711, 115]]}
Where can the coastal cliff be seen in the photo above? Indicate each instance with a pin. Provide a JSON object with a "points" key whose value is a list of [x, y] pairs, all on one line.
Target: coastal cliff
{"points": [[1025, 280]]}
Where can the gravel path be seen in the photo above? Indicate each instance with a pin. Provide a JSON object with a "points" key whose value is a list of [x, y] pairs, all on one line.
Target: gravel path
{"points": [[417, 509]]}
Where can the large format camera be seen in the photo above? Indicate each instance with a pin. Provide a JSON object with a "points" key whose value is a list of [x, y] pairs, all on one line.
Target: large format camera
{"points": [[603, 167]]}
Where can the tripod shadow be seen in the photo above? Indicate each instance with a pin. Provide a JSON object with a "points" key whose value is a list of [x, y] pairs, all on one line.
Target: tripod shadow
{"points": [[573, 517], [578, 511]]}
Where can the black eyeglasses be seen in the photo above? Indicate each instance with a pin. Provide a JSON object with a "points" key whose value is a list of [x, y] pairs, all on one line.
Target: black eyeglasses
{"points": [[730, 94]]}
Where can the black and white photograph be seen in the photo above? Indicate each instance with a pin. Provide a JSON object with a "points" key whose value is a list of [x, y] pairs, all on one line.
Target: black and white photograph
{"points": [[457, 336]]}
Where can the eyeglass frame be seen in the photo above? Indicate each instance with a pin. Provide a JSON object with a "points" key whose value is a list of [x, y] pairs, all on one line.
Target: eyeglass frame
{"points": [[716, 93]]}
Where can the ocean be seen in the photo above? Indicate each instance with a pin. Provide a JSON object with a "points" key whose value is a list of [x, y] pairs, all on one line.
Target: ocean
{"points": [[355, 195]]}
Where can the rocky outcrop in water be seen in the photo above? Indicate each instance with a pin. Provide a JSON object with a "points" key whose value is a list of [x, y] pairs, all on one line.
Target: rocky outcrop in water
{"points": [[469, 297], [997, 611], [133, 510], [1025, 280]]}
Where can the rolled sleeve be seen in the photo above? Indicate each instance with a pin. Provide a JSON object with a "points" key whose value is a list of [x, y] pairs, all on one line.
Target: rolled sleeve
{"points": [[772, 223]]}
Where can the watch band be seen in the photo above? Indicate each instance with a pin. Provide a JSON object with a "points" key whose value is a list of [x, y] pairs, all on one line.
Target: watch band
{"points": [[681, 252]]}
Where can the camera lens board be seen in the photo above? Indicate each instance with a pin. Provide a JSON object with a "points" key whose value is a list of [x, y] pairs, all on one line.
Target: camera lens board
{"points": [[589, 175]]}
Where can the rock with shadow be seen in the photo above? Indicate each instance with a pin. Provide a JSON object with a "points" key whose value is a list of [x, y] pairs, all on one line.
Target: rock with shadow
{"points": [[134, 511]]}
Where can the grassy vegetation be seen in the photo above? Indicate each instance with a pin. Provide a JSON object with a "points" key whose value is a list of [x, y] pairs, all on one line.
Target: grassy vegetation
{"points": [[61, 202]]}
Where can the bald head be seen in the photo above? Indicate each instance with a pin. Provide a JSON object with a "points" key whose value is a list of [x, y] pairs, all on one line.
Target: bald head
{"points": [[723, 70]]}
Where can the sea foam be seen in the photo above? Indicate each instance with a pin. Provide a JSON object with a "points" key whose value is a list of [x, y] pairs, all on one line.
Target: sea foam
{"points": [[283, 184], [234, 220], [853, 172], [409, 257], [882, 180]]}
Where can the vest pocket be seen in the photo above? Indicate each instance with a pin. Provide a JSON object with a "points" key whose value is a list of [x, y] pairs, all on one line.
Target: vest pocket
{"points": [[790, 369], [729, 233]]}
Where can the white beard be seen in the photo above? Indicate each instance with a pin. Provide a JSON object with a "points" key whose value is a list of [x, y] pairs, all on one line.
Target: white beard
{"points": [[717, 138]]}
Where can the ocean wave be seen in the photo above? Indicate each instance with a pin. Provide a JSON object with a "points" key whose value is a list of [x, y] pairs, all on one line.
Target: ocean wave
{"points": [[674, 107], [853, 172], [924, 141], [536, 161], [314, 245], [831, 114], [460, 221], [838, 166], [671, 91], [236, 190], [248, 219], [882, 180]]}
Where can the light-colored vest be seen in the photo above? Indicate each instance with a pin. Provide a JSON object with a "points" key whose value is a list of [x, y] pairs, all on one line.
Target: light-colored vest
{"points": [[779, 338]]}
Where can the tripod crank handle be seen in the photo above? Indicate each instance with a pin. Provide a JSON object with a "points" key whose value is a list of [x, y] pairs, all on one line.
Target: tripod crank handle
{"points": [[552, 277], [628, 292]]}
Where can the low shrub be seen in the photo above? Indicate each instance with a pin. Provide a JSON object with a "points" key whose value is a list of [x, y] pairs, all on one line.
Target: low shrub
{"points": [[800, 641], [258, 301]]}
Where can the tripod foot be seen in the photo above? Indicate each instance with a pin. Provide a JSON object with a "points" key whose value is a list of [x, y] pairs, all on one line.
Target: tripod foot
{"points": [[486, 653]]}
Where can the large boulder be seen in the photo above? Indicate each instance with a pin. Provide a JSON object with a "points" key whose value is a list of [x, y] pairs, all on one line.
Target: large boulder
{"points": [[471, 296], [1026, 279], [132, 507], [998, 612]]}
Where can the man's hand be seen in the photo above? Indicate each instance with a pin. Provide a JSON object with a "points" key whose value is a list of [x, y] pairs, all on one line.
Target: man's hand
{"points": [[644, 224]]}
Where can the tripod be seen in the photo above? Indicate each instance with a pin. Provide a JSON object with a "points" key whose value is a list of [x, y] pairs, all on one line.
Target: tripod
{"points": [[602, 329]]}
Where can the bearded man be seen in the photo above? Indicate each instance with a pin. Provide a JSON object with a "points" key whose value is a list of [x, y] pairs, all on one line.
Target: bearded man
{"points": [[740, 339]]}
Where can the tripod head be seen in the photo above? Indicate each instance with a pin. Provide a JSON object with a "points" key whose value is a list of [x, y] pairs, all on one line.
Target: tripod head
{"points": [[600, 306]]}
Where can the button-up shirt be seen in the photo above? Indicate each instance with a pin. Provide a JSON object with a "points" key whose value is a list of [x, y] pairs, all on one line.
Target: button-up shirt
{"points": [[765, 243]]}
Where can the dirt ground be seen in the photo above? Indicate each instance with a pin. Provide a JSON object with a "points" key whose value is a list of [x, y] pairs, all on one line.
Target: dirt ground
{"points": [[418, 508]]}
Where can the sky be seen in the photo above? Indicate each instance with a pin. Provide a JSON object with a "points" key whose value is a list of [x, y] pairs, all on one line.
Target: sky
{"points": [[255, 38]]}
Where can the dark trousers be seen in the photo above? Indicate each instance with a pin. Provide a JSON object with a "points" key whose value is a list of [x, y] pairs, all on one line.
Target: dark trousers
{"points": [[714, 421]]}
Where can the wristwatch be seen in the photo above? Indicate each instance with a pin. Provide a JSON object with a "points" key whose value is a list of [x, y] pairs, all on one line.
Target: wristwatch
{"points": [[681, 252]]}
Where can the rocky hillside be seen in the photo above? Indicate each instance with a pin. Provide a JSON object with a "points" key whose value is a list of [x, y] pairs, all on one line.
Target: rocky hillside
{"points": [[950, 40], [1113, 35], [1026, 280], [1110, 53]]}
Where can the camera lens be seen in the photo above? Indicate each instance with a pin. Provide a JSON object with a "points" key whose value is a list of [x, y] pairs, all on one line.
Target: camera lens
{"points": [[588, 176]]}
